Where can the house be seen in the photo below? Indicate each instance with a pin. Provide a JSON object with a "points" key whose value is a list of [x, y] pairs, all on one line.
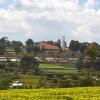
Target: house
{"points": [[3, 59], [49, 47], [16, 84], [66, 49], [38, 59], [12, 59]]}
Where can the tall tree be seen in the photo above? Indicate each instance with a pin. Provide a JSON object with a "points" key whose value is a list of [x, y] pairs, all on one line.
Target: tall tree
{"points": [[36, 48], [83, 47], [29, 45], [92, 50], [59, 43], [3, 44], [29, 62], [74, 45], [17, 45]]}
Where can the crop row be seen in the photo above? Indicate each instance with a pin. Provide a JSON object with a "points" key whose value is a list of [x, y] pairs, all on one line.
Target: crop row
{"points": [[89, 93]]}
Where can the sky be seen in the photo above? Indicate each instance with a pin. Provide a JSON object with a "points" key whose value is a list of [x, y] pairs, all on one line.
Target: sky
{"points": [[50, 20]]}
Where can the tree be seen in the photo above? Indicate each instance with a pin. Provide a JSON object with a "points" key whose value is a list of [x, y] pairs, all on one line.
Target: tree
{"points": [[29, 45], [36, 48], [29, 63], [74, 45], [91, 50], [59, 43], [83, 47], [89, 64], [65, 44], [3, 45], [17, 45], [50, 42]]}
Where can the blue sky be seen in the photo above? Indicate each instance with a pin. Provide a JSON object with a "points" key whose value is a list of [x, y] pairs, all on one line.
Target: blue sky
{"points": [[82, 2], [50, 19], [6, 4]]}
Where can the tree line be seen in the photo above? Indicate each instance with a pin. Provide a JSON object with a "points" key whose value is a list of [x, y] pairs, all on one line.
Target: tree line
{"points": [[30, 46], [18, 46]]}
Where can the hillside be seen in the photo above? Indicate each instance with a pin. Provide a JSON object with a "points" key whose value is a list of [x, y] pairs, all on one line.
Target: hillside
{"points": [[87, 93]]}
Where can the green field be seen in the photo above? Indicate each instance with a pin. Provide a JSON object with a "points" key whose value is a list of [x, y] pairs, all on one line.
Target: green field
{"points": [[87, 93], [63, 71], [29, 80], [67, 65]]}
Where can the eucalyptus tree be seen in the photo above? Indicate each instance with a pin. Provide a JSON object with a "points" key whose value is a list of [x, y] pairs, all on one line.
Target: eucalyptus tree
{"points": [[30, 46], [3, 45], [17, 46]]}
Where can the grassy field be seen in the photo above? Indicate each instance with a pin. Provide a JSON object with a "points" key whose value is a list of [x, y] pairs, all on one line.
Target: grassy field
{"points": [[28, 80], [67, 65], [63, 71], [86, 93]]}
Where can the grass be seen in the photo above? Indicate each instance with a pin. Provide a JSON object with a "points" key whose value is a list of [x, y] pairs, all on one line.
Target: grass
{"points": [[50, 66], [67, 65], [28, 79], [63, 71], [86, 93]]}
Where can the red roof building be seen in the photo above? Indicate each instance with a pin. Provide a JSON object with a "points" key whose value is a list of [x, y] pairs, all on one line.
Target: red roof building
{"points": [[50, 47]]}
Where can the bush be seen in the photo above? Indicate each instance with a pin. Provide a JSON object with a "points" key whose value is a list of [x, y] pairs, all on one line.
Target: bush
{"points": [[29, 64], [30, 87], [64, 84]]}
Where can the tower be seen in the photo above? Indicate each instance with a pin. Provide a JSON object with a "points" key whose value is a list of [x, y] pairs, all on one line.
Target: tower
{"points": [[63, 42]]}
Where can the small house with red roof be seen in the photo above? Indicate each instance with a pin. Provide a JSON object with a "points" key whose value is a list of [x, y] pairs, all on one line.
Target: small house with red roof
{"points": [[49, 47]]}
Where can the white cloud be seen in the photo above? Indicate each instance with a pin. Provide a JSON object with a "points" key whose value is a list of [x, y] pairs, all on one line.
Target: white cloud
{"points": [[2, 1], [28, 16], [89, 4]]}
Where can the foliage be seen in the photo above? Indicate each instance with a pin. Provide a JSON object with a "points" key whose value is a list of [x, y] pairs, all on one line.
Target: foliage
{"points": [[59, 43], [29, 62], [74, 45], [91, 62], [3, 45], [64, 84], [92, 50], [36, 49], [29, 80], [6, 79], [51, 42], [29, 45], [83, 47], [87, 93], [17, 45]]}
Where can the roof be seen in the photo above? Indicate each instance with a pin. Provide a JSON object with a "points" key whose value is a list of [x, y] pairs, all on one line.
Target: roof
{"points": [[49, 46]]}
